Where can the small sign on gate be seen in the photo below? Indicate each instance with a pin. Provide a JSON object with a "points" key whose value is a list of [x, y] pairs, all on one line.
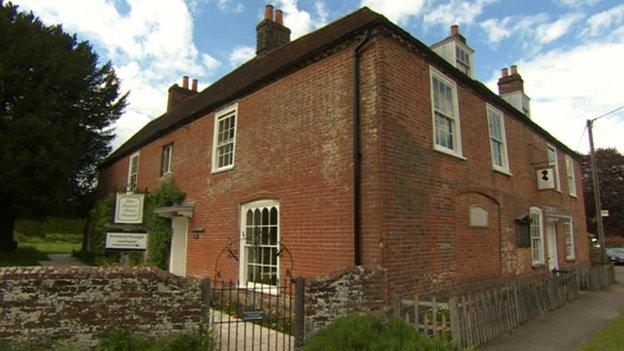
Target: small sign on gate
{"points": [[253, 315], [126, 241]]}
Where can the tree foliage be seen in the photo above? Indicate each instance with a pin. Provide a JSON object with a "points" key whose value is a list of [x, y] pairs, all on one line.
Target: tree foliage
{"points": [[57, 106], [610, 167]]}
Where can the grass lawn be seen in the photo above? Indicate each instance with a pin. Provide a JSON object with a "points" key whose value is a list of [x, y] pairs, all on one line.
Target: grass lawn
{"points": [[29, 254], [610, 338]]}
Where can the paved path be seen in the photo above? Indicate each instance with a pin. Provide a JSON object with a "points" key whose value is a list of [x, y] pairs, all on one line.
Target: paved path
{"points": [[567, 327], [61, 260]]}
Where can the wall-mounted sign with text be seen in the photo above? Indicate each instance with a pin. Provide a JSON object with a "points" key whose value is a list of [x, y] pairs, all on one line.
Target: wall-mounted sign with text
{"points": [[126, 241], [129, 208]]}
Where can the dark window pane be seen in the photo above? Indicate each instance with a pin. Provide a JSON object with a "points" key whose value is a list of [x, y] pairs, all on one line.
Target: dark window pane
{"points": [[274, 216], [265, 216]]}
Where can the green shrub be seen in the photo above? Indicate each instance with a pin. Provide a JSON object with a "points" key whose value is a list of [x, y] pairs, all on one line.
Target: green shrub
{"points": [[159, 237], [159, 229], [123, 340], [369, 333]]}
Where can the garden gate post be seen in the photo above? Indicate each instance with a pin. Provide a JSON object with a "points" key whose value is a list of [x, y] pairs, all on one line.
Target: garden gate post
{"points": [[299, 312]]}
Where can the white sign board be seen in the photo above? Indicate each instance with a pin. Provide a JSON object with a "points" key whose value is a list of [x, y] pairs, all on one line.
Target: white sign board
{"points": [[545, 179], [129, 208], [604, 213], [126, 241]]}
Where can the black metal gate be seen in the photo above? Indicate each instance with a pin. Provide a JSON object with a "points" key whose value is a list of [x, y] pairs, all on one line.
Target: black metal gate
{"points": [[257, 317]]}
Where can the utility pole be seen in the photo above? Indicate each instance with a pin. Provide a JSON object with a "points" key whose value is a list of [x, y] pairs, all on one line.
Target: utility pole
{"points": [[603, 250]]}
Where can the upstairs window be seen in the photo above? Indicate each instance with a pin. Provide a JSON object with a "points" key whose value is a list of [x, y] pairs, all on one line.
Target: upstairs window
{"points": [[462, 58], [446, 131], [498, 141], [570, 175], [167, 154], [569, 238], [224, 139], [537, 236], [554, 163], [133, 171]]}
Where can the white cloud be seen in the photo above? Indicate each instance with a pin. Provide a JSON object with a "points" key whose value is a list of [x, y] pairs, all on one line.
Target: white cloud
{"points": [[576, 3], [601, 23], [456, 12], [533, 31], [150, 46], [241, 54], [568, 86], [230, 6], [398, 11], [299, 21], [549, 32], [210, 62]]}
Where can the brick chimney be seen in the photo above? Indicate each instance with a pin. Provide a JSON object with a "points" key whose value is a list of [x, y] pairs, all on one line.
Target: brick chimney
{"points": [[509, 83], [177, 93], [271, 32], [511, 89]]}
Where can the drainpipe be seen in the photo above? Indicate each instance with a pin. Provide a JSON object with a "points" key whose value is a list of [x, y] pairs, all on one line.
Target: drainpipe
{"points": [[357, 156]]}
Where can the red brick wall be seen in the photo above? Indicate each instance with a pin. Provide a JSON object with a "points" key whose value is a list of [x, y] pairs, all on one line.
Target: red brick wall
{"points": [[426, 193], [293, 145]]}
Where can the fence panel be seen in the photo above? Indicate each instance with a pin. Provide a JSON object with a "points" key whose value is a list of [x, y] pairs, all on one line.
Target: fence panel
{"points": [[474, 318]]}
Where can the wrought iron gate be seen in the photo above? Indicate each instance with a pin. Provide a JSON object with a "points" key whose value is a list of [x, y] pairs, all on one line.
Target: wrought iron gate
{"points": [[257, 317]]}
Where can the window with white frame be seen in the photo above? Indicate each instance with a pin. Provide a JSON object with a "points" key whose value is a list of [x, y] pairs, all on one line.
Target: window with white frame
{"points": [[569, 238], [554, 163], [260, 244], [446, 129], [463, 59], [570, 175], [224, 139], [167, 154], [133, 171], [498, 140], [537, 235]]}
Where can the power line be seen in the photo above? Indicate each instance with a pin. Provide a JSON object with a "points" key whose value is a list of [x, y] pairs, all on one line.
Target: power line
{"points": [[581, 138], [608, 113]]}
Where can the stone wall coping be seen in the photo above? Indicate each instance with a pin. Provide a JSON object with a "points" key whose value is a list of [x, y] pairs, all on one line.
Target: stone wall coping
{"points": [[349, 270], [82, 272]]}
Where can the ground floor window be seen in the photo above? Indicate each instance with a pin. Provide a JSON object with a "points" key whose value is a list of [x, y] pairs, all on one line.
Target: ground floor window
{"points": [[537, 235], [260, 244], [569, 237]]}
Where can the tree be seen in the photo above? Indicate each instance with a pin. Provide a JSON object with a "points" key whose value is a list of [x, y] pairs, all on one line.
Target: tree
{"points": [[610, 168], [57, 106]]}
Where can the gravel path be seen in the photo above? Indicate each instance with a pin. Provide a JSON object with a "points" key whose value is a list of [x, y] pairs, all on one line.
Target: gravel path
{"points": [[61, 260]]}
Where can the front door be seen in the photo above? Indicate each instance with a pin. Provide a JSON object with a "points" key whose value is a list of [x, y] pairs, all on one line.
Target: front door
{"points": [[177, 256], [553, 260]]}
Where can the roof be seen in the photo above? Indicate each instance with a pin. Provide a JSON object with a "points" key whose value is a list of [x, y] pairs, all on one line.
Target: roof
{"points": [[254, 73], [262, 69]]}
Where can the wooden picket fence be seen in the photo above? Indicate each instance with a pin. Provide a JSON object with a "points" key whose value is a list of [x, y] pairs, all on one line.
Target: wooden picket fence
{"points": [[473, 318], [596, 277]]}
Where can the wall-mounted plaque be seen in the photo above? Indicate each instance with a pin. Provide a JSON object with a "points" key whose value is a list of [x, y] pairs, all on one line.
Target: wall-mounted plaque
{"points": [[129, 208]]}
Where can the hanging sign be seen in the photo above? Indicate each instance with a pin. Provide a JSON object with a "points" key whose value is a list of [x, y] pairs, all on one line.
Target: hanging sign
{"points": [[129, 208], [126, 241]]}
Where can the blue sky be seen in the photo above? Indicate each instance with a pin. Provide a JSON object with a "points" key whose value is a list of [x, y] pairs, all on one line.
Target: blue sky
{"points": [[569, 52]]}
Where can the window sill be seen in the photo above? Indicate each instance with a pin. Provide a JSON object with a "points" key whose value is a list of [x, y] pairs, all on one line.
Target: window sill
{"points": [[571, 259], [538, 265], [502, 171], [261, 288], [448, 152], [574, 196], [166, 176], [222, 169]]}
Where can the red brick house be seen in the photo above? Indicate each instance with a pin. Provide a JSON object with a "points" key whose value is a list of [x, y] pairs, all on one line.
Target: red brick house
{"points": [[357, 144]]}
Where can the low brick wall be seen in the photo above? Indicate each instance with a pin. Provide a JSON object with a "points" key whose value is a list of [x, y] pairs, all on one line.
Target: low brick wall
{"points": [[42, 305], [357, 290]]}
